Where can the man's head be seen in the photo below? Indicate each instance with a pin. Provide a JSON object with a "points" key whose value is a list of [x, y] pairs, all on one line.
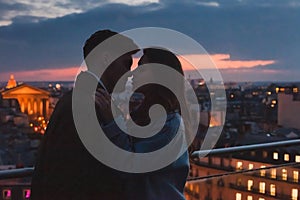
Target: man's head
{"points": [[110, 50]]}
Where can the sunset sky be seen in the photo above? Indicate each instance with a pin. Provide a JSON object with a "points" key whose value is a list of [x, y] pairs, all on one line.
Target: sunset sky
{"points": [[249, 40]]}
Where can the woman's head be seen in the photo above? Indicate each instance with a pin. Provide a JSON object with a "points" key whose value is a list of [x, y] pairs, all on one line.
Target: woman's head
{"points": [[155, 93], [161, 56]]}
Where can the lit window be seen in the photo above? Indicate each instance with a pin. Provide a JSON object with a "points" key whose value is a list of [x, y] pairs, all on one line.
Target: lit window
{"points": [[273, 173], [275, 156], [238, 196], [262, 187], [249, 198], [6, 194], [273, 190], [253, 153], [250, 184], [261, 199], [284, 174], [297, 158], [26, 194], [286, 157], [295, 90], [295, 176], [263, 171], [251, 166], [239, 165], [294, 194], [265, 154], [197, 189]]}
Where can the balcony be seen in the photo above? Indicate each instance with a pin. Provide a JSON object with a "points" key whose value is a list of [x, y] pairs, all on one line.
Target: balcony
{"points": [[222, 182]]}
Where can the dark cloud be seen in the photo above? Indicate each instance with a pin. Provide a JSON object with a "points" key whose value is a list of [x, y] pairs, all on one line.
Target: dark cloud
{"points": [[5, 9], [13, 6], [237, 3], [249, 32]]}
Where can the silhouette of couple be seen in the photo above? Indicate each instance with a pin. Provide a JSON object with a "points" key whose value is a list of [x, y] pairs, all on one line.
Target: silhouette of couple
{"points": [[65, 169]]}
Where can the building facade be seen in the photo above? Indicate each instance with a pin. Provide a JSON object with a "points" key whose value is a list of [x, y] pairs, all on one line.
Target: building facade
{"points": [[33, 101], [288, 110], [230, 178]]}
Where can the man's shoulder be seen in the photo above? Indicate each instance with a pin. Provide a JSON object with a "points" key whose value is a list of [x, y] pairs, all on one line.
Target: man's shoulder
{"points": [[66, 98], [63, 105]]}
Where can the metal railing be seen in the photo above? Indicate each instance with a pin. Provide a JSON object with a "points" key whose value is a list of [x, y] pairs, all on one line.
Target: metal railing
{"points": [[244, 148], [16, 173], [27, 172]]}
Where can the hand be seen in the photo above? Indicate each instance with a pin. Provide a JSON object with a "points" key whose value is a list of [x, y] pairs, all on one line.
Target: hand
{"points": [[103, 105]]}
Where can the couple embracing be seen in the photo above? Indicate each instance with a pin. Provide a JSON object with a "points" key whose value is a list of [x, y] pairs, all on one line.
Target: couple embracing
{"points": [[66, 169]]}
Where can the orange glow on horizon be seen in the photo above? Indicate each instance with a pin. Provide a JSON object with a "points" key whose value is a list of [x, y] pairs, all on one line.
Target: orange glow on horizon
{"points": [[61, 74], [221, 61]]}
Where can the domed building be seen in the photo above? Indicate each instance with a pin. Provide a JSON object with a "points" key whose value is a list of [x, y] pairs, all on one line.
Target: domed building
{"points": [[32, 100], [11, 82]]}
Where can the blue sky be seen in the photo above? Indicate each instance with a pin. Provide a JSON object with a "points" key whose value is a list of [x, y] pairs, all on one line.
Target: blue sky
{"points": [[46, 36]]}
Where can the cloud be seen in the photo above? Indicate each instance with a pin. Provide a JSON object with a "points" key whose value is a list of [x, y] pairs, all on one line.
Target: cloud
{"points": [[210, 4], [134, 2], [35, 9], [41, 9], [223, 61], [248, 33]]}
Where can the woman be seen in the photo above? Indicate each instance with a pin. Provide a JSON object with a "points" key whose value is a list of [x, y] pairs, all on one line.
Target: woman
{"points": [[169, 182], [166, 183]]}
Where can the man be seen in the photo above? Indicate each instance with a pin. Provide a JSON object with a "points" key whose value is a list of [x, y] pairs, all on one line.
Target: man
{"points": [[65, 170]]}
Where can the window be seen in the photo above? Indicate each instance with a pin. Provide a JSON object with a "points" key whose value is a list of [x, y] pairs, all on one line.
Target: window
{"points": [[273, 190], [239, 165], [295, 90], [239, 182], [261, 199], [26, 194], [294, 194], [262, 187], [286, 157], [275, 155], [238, 196], [250, 184], [262, 171], [6, 194], [295, 176], [249, 197], [251, 166], [273, 173], [197, 189], [297, 158], [265, 154], [253, 153], [284, 174]]}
